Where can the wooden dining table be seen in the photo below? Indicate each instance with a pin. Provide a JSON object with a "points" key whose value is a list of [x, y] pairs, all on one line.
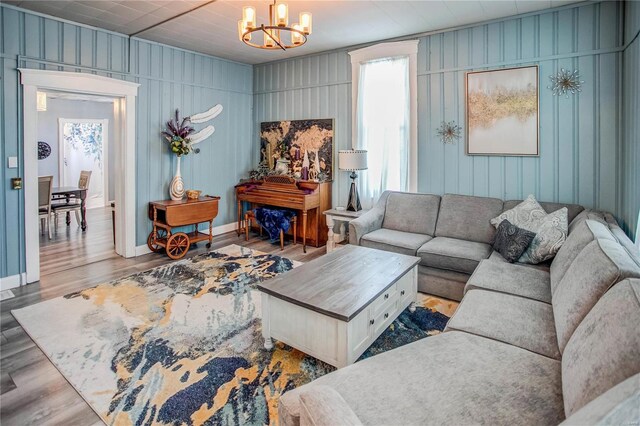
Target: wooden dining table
{"points": [[69, 193]]}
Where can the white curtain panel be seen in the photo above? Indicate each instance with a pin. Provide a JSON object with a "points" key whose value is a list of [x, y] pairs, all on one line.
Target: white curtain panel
{"points": [[383, 126]]}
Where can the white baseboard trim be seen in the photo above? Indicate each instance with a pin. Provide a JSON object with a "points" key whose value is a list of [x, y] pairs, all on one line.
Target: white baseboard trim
{"points": [[217, 230], [13, 281]]}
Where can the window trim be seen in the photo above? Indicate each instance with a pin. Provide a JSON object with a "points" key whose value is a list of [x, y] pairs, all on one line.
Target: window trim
{"points": [[386, 50]]}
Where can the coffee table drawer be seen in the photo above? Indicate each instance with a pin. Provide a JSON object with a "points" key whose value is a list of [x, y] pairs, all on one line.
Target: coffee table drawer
{"points": [[405, 288], [384, 319], [380, 304]]}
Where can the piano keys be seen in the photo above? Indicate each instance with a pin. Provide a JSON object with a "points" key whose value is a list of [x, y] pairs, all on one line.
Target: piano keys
{"points": [[309, 198]]}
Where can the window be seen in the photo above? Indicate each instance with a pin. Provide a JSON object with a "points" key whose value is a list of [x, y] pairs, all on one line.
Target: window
{"points": [[384, 117]]}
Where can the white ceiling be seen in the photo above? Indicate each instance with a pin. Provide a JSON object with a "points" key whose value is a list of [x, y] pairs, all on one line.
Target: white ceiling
{"points": [[212, 29]]}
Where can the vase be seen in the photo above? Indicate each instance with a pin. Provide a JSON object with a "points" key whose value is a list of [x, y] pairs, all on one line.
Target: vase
{"points": [[282, 166], [176, 188]]}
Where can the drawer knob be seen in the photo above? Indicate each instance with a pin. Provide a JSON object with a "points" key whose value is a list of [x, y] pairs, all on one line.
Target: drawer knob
{"points": [[386, 315], [386, 296], [402, 293], [372, 321]]}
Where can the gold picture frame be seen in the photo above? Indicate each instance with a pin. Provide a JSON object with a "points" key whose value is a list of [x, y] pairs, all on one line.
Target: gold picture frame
{"points": [[501, 103]]}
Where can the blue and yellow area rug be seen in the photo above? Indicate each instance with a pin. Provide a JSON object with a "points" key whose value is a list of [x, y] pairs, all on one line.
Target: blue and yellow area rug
{"points": [[181, 343]]}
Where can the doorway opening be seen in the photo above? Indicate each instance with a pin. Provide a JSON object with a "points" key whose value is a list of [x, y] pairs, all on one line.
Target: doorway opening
{"points": [[121, 134], [75, 152]]}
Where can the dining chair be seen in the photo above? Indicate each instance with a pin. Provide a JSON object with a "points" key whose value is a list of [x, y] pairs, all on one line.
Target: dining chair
{"points": [[73, 204], [45, 188]]}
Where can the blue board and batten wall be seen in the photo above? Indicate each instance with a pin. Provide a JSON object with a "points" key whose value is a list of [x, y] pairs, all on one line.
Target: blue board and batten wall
{"points": [[580, 137], [630, 154], [589, 143], [169, 78]]}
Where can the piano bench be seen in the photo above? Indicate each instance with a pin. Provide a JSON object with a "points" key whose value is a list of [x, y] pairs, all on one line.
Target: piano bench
{"points": [[250, 215]]}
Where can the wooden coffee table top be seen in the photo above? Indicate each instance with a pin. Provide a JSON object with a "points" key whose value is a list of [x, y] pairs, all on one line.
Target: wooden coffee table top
{"points": [[341, 283]]}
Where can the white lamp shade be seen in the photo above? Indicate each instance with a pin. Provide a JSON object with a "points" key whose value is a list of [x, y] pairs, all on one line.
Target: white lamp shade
{"points": [[352, 159]]}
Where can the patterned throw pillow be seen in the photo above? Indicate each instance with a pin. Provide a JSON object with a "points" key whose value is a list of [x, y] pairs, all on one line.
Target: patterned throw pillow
{"points": [[512, 241], [551, 229], [525, 215], [550, 235]]}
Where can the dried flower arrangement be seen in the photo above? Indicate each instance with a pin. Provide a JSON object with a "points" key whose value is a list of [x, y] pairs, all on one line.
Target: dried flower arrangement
{"points": [[178, 135]]}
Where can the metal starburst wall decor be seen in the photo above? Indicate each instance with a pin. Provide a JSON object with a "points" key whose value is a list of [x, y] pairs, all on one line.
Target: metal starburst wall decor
{"points": [[449, 132], [565, 82]]}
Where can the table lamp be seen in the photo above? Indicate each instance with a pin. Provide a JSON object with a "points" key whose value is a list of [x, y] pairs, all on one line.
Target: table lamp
{"points": [[353, 160]]}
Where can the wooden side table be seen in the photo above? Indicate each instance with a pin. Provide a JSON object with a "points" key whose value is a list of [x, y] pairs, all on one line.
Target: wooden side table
{"points": [[342, 216]]}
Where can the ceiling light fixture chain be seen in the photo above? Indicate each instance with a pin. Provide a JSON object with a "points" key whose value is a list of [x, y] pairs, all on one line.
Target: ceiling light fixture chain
{"points": [[273, 31]]}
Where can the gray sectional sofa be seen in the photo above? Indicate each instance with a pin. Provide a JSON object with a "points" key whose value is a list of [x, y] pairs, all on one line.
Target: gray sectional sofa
{"points": [[527, 345], [450, 233]]}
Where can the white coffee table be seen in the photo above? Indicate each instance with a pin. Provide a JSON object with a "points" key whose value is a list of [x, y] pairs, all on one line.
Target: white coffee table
{"points": [[334, 307]]}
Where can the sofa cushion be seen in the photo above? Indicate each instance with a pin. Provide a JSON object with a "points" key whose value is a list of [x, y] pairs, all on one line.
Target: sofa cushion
{"points": [[605, 348], [511, 242], [453, 378], [601, 264], [551, 233], [467, 218], [620, 405], [525, 323], [441, 282], [572, 209], [453, 254], [395, 241], [517, 280], [323, 406], [497, 257], [416, 213], [585, 232]]}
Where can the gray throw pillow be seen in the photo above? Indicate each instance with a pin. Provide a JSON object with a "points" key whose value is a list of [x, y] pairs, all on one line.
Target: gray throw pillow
{"points": [[551, 229], [551, 233], [511, 241], [525, 215]]}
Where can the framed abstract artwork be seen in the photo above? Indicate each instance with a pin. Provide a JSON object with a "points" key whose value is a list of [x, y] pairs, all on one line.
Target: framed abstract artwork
{"points": [[502, 112], [300, 148]]}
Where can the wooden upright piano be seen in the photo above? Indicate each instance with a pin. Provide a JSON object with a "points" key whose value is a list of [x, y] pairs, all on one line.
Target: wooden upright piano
{"points": [[309, 198]]}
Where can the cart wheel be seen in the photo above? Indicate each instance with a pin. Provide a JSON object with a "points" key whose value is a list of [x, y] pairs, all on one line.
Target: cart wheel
{"points": [[154, 247], [178, 245], [208, 245]]}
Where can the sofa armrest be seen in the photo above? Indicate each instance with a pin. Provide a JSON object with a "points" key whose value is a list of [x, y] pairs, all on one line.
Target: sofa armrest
{"points": [[323, 406], [368, 222]]}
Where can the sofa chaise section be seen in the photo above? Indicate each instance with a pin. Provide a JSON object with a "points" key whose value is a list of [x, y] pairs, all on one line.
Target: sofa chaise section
{"points": [[450, 379]]}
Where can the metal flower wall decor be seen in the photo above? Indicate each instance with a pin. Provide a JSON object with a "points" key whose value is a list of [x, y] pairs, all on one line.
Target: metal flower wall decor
{"points": [[449, 132], [565, 82]]}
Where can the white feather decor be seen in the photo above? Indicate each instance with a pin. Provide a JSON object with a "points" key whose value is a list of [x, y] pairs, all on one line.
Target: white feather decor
{"points": [[203, 117], [202, 135]]}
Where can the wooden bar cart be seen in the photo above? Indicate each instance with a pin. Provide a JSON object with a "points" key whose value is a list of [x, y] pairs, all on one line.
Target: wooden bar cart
{"points": [[168, 214]]}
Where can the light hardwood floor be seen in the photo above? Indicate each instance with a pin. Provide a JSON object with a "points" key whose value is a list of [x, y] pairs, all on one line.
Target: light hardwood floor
{"points": [[33, 392]]}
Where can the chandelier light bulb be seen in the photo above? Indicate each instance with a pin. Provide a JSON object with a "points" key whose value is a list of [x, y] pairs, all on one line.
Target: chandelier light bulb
{"points": [[249, 16], [268, 39], [282, 15], [242, 29], [305, 22], [296, 37]]}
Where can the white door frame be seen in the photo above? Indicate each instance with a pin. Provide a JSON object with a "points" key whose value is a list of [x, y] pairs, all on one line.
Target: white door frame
{"points": [[105, 152], [124, 139]]}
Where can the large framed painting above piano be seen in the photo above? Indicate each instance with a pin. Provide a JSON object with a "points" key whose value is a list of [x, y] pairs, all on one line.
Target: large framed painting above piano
{"points": [[305, 146]]}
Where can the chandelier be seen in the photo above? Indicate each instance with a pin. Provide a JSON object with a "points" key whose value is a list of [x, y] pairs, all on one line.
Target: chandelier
{"points": [[275, 32]]}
